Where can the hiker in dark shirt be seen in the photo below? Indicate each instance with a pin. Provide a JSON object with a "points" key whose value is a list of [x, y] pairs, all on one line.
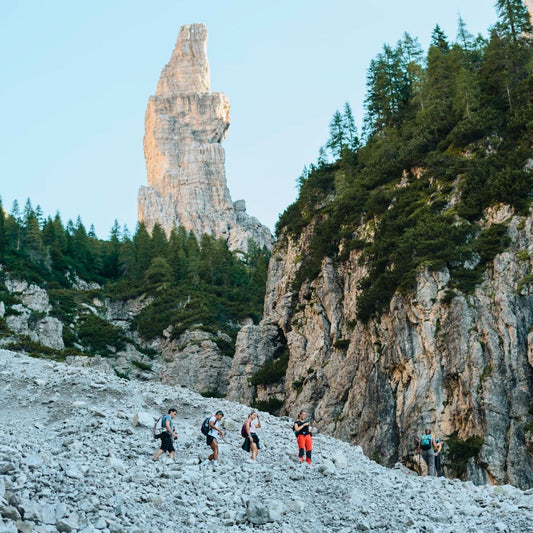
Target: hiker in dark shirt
{"points": [[167, 435], [304, 437]]}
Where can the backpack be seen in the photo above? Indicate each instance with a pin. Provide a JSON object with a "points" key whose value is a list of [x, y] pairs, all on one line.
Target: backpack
{"points": [[158, 428], [426, 442], [205, 426], [243, 431]]}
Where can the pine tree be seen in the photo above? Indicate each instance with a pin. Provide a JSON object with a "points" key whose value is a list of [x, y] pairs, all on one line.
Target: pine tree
{"points": [[143, 250], [514, 19], [389, 89], [32, 243], [177, 258], [350, 129], [337, 140], [159, 241]]}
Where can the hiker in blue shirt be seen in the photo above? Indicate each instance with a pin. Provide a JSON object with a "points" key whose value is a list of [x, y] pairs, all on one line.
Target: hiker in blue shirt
{"points": [[426, 443], [167, 435]]}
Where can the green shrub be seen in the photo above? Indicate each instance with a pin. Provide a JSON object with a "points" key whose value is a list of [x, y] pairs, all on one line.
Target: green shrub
{"points": [[272, 406], [64, 304], [226, 347], [141, 365], [458, 452], [342, 344], [272, 372], [34, 349], [98, 335], [212, 394]]}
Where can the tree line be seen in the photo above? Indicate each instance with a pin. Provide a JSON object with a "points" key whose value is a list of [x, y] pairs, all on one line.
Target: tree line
{"points": [[190, 282]]}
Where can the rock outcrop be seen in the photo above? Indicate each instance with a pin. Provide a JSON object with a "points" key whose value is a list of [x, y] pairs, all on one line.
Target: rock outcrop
{"points": [[31, 316], [185, 125], [460, 363]]}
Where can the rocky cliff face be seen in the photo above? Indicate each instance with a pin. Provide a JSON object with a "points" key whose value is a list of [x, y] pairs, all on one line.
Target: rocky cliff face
{"points": [[462, 364], [185, 125]]}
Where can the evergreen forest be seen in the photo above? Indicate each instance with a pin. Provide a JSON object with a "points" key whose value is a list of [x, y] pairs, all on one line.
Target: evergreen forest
{"points": [[188, 283], [447, 134]]}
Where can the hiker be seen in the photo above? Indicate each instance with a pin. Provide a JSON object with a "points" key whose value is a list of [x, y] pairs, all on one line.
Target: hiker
{"points": [[304, 437], [436, 450], [168, 434], [213, 435], [426, 444], [248, 431]]}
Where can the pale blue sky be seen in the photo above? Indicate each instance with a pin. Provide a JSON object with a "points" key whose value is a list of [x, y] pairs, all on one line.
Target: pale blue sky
{"points": [[76, 77]]}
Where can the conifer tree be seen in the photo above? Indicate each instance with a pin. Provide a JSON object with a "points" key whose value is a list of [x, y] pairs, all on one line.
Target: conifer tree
{"points": [[177, 258], [337, 140], [143, 250], [350, 129], [514, 19], [159, 241], [32, 243]]}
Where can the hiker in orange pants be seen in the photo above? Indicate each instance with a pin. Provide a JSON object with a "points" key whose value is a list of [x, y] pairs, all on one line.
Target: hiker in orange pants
{"points": [[304, 437]]}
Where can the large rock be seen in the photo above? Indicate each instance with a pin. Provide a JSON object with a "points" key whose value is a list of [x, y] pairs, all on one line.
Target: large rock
{"points": [[185, 125], [195, 361]]}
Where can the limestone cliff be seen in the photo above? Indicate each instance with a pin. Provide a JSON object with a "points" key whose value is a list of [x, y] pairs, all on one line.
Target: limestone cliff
{"points": [[461, 363], [185, 125]]}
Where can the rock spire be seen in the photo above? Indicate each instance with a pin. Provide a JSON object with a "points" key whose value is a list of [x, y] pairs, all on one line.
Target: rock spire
{"points": [[185, 125]]}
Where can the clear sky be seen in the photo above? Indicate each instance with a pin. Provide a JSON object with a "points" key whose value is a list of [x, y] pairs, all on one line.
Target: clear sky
{"points": [[76, 77]]}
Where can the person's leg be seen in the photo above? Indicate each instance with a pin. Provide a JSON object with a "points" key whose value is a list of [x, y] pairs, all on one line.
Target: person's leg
{"points": [[308, 448], [166, 442], [429, 459], [300, 439], [253, 449], [431, 462], [214, 447]]}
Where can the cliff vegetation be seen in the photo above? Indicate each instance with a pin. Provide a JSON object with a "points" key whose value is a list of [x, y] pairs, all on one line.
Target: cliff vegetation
{"points": [[446, 135]]}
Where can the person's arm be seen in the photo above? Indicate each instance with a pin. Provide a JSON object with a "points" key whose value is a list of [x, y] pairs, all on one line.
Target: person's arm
{"points": [[439, 447], [169, 429], [258, 425], [301, 426], [212, 426]]}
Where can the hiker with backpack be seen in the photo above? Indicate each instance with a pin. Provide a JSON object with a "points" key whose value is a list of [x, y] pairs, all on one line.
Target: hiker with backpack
{"points": [[248, 431], [426, 443], [304, 437], [166, 431], [212, 432]]}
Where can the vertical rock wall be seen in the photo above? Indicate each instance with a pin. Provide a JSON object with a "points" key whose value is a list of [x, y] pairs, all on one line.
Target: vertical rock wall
{"points": [[459, 363], [185, 125]]}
